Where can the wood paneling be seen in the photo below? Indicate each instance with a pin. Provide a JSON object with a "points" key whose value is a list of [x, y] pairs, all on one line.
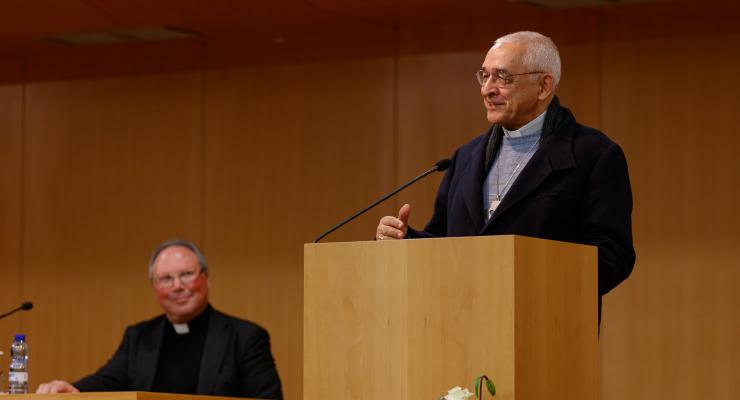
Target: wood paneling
{"points": [[11, 199], [113, 166], [440, 108], [29, 20], [290, 151], [50, 61], [674, 320]]}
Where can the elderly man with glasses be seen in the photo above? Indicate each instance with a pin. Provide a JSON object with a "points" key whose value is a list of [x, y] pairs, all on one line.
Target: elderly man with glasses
{"points": [[535, 171], [192, 348]]}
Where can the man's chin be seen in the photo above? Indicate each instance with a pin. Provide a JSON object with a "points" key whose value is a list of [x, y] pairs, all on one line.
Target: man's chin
{"points": [[179, 309], [179, 302], [494, 117], [178, 313], [180, 316]]}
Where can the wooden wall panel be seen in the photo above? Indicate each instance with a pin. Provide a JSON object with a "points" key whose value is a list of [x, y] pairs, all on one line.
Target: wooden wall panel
{"points": [[114, 166], [291, 150], [440, 108], [11, 164], [672, 330]]}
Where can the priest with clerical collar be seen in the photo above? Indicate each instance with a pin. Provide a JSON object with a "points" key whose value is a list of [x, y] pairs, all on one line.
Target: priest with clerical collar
{"points": [[192, 348]]}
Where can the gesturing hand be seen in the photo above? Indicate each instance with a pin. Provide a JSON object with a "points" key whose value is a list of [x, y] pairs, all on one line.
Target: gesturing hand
{"points": [[394, 227]]}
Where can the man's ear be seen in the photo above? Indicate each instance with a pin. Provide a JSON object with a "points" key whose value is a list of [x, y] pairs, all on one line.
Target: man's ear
{"points": [[547, 86]]}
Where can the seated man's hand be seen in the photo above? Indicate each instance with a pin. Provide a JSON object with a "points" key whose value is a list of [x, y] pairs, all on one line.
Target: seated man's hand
{"points": [[56, 387], [392, 227]]}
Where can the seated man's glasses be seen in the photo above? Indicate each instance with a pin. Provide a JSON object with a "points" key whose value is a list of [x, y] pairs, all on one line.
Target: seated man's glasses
{"points": [[168, 281]]}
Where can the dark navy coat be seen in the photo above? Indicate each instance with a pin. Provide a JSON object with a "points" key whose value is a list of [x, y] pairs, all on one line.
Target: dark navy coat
{"points": [[575, 188]]}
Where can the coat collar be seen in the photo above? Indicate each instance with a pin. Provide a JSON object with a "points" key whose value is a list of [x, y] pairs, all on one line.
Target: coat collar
{"points": [[471, 186], [148, 354], [214, 352], [554, 153]]}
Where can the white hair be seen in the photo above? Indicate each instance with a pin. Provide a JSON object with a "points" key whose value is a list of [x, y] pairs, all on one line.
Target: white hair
{"points": [[541, 53]]}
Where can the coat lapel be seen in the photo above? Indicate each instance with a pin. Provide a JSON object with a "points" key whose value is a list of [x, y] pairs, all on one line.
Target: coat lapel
{"points": [[471, 187], [217, 339], [148, 356], [555, 153]]}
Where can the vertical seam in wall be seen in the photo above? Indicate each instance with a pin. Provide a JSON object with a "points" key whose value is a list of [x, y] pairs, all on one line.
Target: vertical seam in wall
{"points": [[22, 182], [396, 139], [203, 142], [600, 66]]}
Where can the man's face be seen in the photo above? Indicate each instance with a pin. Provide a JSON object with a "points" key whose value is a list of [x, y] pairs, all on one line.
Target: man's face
{"points": [[514, 103], [181, 301]]}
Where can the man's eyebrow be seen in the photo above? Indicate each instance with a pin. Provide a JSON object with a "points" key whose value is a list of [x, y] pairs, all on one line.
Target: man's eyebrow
{"points": [[495, 71]]}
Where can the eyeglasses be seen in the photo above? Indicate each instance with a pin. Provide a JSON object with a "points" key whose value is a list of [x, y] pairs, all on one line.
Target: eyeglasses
{"points": [[168, 281], [500, 78]]}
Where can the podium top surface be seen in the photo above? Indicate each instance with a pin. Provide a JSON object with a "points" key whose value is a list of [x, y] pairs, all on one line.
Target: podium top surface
{"points": [[507, 238], [113, 396]]}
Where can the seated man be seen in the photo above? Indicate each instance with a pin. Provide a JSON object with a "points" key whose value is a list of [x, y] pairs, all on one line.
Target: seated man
{"points": [[192, 348]]}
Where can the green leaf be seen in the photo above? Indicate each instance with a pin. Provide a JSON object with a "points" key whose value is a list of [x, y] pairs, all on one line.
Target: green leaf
{"points": [[491, 387], [476, 384]]}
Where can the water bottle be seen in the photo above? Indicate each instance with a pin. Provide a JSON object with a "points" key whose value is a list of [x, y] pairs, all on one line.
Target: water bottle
{"points": [[18, 371], [2, 374]]}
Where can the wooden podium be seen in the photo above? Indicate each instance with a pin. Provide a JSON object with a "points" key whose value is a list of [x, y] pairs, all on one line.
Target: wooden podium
{"points": [[410, 319]]}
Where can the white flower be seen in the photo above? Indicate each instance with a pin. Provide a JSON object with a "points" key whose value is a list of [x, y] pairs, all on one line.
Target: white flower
{"points": [[458, 393]]}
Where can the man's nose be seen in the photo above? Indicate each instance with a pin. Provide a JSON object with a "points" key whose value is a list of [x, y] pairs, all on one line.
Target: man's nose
{"points": [[177, 283], [489, 88]]}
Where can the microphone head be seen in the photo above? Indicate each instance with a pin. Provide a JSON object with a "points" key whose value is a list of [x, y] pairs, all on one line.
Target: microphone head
{"points": [[26, 306], [443, 164]]}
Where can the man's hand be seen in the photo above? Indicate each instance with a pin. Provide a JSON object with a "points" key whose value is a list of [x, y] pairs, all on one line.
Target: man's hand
{"points": [[394, 227], [56, 387]]}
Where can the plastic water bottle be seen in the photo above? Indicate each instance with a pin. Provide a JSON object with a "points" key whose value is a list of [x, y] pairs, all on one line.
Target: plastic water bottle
{"points": [[18, 371]]}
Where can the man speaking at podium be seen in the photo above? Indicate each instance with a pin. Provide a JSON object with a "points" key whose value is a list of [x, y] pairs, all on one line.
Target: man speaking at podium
{"points": [[536, 171], [192, 348]]}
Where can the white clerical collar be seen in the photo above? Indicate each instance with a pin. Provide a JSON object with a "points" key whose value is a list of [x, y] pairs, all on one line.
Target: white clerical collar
{"points": [[530, 128], [181, 329]]}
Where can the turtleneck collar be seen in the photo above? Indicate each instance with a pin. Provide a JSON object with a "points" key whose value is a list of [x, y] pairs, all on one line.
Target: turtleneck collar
{"points": [[530, 128]]}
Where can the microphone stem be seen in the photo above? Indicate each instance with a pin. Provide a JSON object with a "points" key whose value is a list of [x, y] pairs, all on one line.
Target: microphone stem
{"points": [[9, 312], [380, 200]]}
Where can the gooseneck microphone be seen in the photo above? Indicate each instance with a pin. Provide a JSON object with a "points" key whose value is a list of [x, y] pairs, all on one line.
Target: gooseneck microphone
{"points": [[25, 306], [440, 166]]}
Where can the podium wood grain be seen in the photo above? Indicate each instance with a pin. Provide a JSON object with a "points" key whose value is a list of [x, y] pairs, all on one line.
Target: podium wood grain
{"points": [[411, 319]]}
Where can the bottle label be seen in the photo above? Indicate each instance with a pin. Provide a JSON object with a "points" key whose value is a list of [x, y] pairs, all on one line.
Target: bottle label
{"points": [[18, 377]]}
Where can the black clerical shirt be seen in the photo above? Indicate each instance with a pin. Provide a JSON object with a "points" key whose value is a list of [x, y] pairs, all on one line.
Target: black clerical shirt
{"points": [[180, 356]]}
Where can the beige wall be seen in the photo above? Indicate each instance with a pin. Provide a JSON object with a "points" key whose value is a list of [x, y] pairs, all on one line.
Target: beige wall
{"points": [[106, 151]]}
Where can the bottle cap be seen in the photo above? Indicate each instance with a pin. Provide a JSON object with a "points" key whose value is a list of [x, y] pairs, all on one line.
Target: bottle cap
{"points": [[19, 337]]}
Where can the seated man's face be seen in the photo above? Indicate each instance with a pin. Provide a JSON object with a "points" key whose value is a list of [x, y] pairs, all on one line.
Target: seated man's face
{"points": [[179, 284]]}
